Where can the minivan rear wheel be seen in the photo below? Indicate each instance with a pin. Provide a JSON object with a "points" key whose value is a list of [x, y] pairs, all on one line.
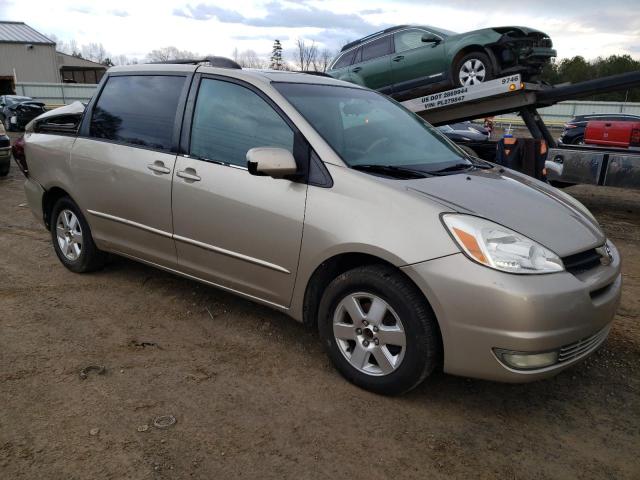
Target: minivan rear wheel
{"points": [[72, 238], [378, 329]]}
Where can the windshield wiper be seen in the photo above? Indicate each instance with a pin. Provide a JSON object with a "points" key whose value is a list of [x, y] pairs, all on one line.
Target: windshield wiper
{"points": [[452, 168], [392, 170], [478, 162]]}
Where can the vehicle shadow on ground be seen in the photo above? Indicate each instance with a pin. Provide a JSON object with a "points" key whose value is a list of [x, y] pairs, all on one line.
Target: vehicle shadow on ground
{"points": [[439, 390]]}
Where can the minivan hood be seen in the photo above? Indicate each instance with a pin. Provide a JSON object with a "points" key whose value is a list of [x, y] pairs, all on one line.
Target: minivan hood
{"points": [[532, 208]]}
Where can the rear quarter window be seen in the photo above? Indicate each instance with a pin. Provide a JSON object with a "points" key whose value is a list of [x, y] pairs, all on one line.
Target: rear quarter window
{"points": [[138, 110], [345, 60]]}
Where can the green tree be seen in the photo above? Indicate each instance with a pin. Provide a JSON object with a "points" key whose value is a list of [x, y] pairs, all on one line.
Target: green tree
{"points": [[276, 56], [577, 69]]}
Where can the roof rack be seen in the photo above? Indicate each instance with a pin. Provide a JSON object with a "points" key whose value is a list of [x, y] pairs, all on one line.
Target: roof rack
{"points": [[386, 30], [314, 72], [222, 62]]}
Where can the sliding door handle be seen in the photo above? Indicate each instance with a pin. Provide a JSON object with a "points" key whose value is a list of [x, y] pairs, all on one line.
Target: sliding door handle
{"points": [[158, 167], [188, 174], [398, 58]]}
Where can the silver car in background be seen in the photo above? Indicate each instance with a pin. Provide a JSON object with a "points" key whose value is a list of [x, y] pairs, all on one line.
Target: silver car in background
{"points": [[333, 204]]}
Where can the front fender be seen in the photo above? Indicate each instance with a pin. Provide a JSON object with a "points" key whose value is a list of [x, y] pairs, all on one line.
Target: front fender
{"points": [[368, 215]]}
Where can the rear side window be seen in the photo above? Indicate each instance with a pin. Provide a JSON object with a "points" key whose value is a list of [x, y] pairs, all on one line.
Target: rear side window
{"points": [[230, 119], [377, 48], [138, 110], [345, 60]]}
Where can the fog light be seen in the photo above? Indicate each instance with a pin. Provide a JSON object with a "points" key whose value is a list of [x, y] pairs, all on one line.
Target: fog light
{"points": [[526, 361]]}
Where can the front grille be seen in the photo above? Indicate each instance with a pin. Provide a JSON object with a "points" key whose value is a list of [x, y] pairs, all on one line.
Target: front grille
{"points": [[539, 41], [582, 347], [582, 262]]}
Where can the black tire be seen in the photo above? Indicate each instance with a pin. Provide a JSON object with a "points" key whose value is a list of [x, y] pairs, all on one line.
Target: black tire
{"points": [[473, 56], [90, 258], [422, 352], [4, 169], [579, 140]]}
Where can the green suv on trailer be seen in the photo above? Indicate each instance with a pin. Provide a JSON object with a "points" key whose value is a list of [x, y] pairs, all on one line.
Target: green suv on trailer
{"points": [[407, 58]]}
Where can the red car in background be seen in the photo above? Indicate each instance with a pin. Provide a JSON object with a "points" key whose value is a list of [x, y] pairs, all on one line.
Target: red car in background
{"points": [[609, 133]]}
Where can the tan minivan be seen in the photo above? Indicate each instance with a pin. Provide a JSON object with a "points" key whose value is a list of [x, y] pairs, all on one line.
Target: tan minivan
{"points": [[335, 205]]}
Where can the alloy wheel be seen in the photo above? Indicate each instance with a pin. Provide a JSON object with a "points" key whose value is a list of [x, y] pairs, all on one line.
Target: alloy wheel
{"points": [[369, 334], [472, 72], [69, 234]]}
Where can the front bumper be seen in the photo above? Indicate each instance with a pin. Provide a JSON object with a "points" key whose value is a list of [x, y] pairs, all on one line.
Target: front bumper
{"points": [[480, 310], [536, 55]]}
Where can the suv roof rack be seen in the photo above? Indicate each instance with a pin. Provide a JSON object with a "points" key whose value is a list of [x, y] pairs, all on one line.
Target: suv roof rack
{"points": [[222, 62], [381, 32]]}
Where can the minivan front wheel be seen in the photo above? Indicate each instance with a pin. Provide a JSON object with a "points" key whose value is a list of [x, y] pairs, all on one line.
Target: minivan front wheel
{"points": [[473, 69], [379, 330], [72, 238]]}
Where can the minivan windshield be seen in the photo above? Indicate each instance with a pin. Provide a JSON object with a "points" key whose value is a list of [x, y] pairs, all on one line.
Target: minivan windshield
{"points": [[366, 128]]}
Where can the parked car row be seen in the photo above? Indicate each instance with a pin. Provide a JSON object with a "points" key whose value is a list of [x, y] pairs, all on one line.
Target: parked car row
{"points": [[415, 256], [17, 111]]}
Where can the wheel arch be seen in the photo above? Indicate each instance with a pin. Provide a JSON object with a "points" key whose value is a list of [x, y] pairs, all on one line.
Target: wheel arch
{"points": [[474, 47], [335, 265], [49, 199]]}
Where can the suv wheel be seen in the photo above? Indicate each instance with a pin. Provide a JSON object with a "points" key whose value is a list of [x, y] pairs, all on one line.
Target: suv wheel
{"points": [[473, 69], [72, 238], [378, 329], [578, 140]]}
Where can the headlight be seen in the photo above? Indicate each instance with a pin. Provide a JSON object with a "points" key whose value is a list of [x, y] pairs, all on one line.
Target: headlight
{"points": [[497, 247]]}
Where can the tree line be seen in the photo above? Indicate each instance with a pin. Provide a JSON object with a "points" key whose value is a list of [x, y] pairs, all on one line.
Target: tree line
{"points": [[306, 56], [577, 69]]}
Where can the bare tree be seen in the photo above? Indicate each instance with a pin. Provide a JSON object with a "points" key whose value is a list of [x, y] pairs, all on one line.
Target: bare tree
{"points": [[124, 60], [324, 59], [249, 59], [306, 55], [169, 53], [95, 52], [73, 47]]}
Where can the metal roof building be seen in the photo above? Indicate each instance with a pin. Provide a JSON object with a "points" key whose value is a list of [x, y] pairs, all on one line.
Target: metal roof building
{"points": [[25, 56]]}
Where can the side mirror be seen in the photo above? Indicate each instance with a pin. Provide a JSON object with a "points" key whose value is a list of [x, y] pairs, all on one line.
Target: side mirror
{"points": [[271, 161], [430, 38]]}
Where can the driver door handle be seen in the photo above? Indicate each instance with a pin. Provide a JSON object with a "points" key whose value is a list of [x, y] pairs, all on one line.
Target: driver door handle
{"points": [[356, 69], [398, 58], [188, 174]]}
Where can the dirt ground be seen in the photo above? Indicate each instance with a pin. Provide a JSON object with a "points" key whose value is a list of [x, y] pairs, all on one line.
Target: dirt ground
{"points": [[254, 395]]}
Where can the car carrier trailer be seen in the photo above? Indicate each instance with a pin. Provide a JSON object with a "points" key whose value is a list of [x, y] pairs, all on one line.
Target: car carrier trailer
{"points": [[566, 165]]}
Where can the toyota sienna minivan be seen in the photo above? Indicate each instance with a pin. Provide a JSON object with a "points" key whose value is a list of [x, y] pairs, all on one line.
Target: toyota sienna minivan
{"points": [[335, 205]]}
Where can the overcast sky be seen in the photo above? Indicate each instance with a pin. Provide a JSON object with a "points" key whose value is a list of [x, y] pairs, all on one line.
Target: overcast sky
{"points": [[132, 27]]}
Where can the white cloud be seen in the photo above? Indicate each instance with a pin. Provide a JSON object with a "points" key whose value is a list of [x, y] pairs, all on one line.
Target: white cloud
{"points": [[577, 27]]}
